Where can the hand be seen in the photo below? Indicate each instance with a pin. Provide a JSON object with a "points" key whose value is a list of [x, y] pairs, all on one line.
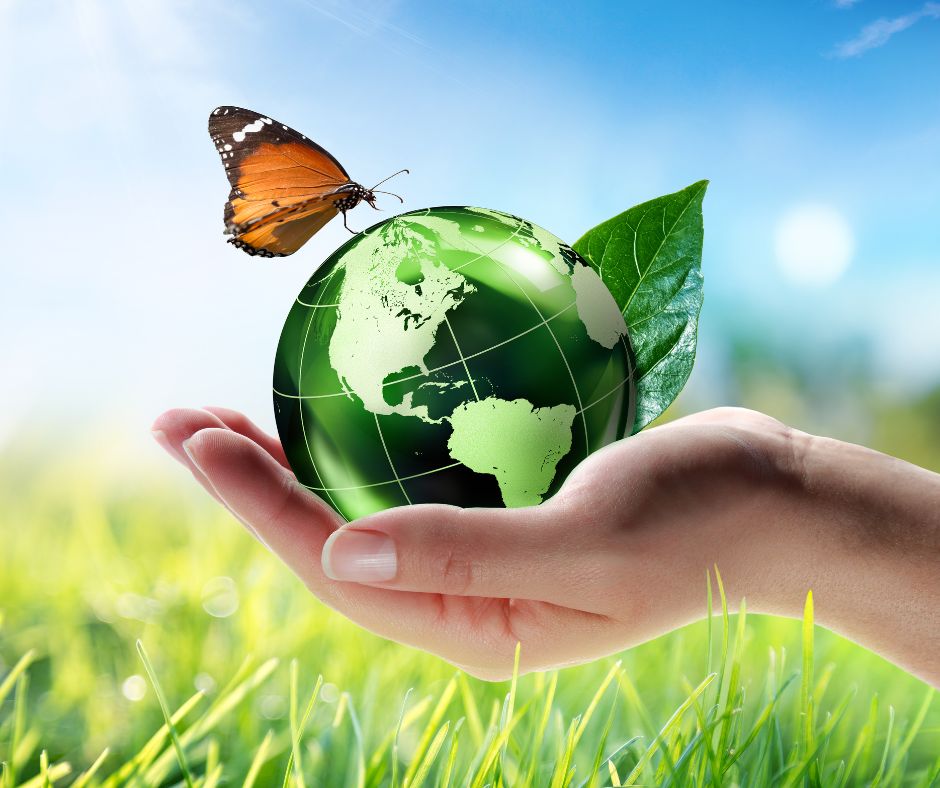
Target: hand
{"points": [[616, 557]]}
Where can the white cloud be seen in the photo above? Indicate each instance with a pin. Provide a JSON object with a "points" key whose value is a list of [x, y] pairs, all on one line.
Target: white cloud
{"points": [[846, 3], [879, 32]]}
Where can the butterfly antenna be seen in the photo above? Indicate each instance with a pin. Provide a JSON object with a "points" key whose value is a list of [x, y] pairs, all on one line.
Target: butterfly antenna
{"points": [[407, 172], [392, 194]]}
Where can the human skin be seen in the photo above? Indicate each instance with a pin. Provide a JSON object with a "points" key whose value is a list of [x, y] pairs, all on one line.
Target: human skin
{"points": [[619, 555]]}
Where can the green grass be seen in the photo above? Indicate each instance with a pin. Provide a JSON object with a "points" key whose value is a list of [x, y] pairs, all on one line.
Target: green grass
{"points": [[249, 680]]}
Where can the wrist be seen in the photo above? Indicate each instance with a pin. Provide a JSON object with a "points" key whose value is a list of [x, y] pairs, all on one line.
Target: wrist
{"points": [[871, 526]]}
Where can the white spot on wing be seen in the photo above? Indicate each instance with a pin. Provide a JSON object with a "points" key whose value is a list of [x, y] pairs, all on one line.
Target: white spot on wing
{"points": [[239, 136]]}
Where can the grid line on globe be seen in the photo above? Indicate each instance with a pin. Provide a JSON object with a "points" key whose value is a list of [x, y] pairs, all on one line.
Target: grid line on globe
{"points": [[401, 482], [443, 366], [303, 427], [543, 321], [412, 351], [574, 383]]}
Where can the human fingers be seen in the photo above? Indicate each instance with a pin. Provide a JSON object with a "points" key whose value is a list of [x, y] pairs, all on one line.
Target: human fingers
{"points": [[174, 427], [294, 523], [533, 553], [479, 633], [240, 423]]}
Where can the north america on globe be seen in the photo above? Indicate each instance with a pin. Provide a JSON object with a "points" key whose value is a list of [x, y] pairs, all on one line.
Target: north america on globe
{"points": [[454, 355]]}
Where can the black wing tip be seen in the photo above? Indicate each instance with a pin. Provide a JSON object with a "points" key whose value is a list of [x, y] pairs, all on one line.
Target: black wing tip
{"points": [[224, 110], [252, 250], [227, 109], [218, 113]]}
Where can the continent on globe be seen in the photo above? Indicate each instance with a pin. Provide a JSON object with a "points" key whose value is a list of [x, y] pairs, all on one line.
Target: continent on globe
{"points": [[373, 337], [454, 355], [516, 442]]}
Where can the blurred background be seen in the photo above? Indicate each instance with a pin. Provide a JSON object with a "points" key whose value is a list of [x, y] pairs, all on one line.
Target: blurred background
{"points": [[817, 122]]}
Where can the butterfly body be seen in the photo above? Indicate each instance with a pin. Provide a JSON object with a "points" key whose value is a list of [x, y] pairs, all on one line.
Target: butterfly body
{"points": [[285, 187]]}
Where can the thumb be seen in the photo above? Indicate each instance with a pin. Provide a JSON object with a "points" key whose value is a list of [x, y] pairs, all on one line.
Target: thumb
{"points": [[503, 553]]}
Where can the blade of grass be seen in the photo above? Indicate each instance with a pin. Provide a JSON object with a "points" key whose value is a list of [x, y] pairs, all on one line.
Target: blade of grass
{"points": [[430, 755], [900, 752], [153, 747], [725, 635], [297, 729], [508, 767], [611, 759], [228, 701], [675, 749], [10, 679], [213, 777], [807, 723], [19, 722], [85, 777], [161, 699], [710, 604], [810, 758], [224, 704], [452, 755], [759, 724], [671, 724], [492, 750], [471, 711], [591, 780], [705, 729], [261, 755], [633, 696], [733, 679], [48, 774], [682, 760], [561, 766], [212, 768], [432, 725], [401, 717], [592, 706], [863, 740], [614, 776], [538, 734], [511, 699], [410, 717], [358, 756], [884, 753], [932, 777], [294, 757]]}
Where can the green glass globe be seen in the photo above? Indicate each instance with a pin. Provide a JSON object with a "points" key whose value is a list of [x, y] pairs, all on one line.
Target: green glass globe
{"points": [[450, 355]]}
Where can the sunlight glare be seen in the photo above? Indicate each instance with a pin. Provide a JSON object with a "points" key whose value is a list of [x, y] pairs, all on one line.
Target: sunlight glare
{"points": [[813, 244]]}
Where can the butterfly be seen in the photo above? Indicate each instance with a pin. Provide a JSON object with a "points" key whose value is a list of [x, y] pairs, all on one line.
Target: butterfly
{"points": [[285, 187]]}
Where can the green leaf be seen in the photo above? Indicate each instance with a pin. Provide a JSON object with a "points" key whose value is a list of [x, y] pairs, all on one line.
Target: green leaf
{"points": [[650, 258]]}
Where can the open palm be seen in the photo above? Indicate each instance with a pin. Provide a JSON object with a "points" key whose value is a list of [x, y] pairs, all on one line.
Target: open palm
{"points": [[571, 579]]}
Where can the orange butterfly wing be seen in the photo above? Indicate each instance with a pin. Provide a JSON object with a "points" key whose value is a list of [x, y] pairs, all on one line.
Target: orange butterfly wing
{"points": [[284, 186]]}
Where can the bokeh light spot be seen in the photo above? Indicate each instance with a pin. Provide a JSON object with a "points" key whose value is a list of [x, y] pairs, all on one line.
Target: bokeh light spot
{"points": [[814, 244], [220, 597], [134, 688]]}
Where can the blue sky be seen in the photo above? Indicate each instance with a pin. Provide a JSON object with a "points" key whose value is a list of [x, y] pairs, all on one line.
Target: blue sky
{"points": [[120, 297]]}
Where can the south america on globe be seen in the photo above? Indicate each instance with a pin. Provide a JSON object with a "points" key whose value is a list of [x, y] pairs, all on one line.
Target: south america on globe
{"points": [[451, 355]]}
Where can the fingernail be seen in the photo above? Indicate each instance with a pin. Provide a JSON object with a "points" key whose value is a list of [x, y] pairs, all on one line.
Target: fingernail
{"points": [[359, 556], [189, 453]]}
